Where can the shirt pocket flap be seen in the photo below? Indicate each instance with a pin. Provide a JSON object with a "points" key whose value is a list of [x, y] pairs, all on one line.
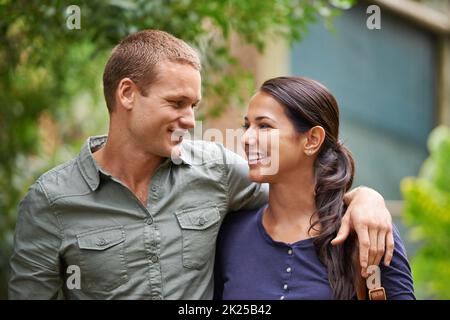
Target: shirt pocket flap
{"points": [[198, 218], [101, 239]]}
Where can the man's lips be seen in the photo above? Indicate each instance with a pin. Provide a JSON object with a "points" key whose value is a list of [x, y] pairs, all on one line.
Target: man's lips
{"points": [[176, 135]]}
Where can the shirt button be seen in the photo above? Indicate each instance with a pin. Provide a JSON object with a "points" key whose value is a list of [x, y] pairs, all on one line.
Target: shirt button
{"points": [[282, 298], [155, 259], [285, 286], [101, 242], [201, 222], [289, 251], [149, 221], [154, 189], [289, 269]]}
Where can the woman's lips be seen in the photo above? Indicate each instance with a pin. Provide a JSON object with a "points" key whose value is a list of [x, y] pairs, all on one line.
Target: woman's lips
{"points": [[258, 158]]}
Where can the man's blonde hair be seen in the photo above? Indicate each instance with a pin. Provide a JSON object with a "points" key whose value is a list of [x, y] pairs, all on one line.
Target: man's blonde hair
{"points": [[136, 57]]}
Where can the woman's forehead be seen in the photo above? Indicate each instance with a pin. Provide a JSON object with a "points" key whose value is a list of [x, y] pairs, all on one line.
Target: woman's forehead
{"points": [[264, 105]]}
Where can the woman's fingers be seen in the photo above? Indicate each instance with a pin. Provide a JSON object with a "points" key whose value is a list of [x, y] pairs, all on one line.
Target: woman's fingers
{"points": [[364, 244], [380, 247], [373, 249], [389, 248], [343, 232]]}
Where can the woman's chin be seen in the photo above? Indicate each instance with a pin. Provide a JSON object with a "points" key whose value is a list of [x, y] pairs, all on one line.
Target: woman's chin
{"points": [[257, 175]]}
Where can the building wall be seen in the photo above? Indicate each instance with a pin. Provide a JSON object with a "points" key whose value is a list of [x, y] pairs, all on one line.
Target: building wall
{"points": [[384, 81]]}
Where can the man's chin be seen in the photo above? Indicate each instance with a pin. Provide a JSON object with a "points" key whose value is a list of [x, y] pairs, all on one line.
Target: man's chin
{"points": [[174, 152]]}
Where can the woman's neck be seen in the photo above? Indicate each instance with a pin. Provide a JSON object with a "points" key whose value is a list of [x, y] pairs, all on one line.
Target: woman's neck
{"points": [[291, 208]]}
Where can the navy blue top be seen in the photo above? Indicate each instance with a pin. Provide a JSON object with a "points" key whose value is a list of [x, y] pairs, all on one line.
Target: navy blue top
{"points": [[251, 265]]}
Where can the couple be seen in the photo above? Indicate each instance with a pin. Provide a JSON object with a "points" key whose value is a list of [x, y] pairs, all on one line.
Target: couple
{"points": [[138, 225]]}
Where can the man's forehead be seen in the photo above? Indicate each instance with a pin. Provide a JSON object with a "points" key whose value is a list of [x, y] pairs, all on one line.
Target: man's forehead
{"points": [[179, 69], [178, 80]]}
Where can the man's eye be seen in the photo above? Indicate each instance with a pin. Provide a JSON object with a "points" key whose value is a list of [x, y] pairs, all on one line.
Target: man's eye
{"points": [[245, 126], [176, 104]]}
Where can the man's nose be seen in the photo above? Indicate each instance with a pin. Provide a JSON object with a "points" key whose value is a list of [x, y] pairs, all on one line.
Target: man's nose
{"points": [[187, 120]]}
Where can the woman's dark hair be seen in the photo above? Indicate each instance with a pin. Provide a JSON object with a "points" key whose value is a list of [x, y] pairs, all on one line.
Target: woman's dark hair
{"points": [[308, 103]]}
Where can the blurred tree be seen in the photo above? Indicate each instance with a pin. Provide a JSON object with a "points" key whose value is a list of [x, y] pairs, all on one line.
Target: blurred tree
{"points": [[427, 210], [45, 68]]}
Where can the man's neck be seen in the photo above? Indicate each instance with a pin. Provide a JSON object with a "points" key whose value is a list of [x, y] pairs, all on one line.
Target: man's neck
{"points": [[127, 163]]}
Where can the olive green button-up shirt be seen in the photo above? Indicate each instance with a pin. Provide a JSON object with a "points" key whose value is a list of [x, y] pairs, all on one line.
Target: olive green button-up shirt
{"points": [[82, 232]]}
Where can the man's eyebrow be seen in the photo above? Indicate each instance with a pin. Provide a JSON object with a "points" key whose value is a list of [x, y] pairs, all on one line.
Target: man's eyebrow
{"points": [[181, 97], [261, 118]]}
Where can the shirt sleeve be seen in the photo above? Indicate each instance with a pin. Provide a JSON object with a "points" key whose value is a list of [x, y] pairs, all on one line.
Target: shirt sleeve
{"points": [[397, 279], [242, 193], [35, 267]]}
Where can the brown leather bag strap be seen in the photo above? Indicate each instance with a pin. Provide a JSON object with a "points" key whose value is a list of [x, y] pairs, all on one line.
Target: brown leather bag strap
{"points": [[360, 282], [361, 287]]}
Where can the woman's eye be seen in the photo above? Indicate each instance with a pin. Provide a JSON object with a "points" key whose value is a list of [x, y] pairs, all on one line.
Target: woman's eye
{"points": [[264, 126], [245, 126]]}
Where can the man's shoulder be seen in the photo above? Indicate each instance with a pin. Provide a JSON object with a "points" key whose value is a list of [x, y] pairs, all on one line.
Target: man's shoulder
{"points": [[63, 180], [201, 152]]}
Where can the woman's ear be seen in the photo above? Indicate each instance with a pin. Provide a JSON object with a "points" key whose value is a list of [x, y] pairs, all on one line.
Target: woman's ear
{"points": [[314, 139], [126, 93]]}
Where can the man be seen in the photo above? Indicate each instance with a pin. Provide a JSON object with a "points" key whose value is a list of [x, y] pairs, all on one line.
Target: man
{"points": [[136, 223]]}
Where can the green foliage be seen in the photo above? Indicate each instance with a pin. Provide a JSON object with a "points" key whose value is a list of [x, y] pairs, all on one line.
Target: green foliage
{"points": [[427, 210], [50, 76]]}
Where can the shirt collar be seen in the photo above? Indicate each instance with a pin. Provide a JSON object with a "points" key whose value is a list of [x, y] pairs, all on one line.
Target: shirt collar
{"points": [[88, 166], [91, 171]]}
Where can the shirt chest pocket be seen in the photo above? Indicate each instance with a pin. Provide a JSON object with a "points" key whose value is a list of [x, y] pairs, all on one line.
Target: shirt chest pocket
{"points": [[103, 264], [199, 228]]}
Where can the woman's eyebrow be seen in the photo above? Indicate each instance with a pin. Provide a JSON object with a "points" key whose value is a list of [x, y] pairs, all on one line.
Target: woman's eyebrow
{"points": [[258, 118]]}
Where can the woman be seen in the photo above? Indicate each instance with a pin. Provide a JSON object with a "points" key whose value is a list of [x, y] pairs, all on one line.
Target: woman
{"points": [[283, 251]]}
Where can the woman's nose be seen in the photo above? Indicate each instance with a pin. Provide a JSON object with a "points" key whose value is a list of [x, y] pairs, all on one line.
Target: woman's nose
{"points": [[249, 137]]}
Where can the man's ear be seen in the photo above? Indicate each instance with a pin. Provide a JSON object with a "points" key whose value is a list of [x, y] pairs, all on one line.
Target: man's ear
{"points": [[126, 93], [314, 139]]}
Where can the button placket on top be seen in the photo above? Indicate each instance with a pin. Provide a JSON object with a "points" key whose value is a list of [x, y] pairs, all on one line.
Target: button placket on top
{"points": [[287, 272], [153, 238]]}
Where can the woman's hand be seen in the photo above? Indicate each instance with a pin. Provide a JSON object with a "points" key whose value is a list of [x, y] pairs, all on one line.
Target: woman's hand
{"points": [[368, 216]]}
